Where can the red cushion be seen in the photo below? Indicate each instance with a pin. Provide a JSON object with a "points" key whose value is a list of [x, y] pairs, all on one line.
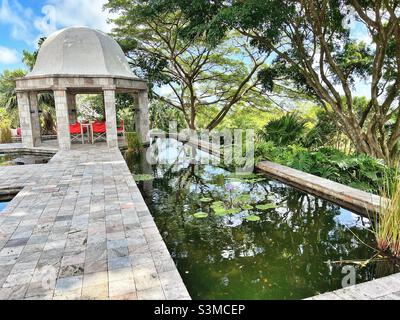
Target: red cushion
{"points": [[76, 128], [99, 127]]}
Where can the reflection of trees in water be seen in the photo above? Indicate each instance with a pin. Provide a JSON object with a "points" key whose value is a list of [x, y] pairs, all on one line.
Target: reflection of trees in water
{"points": [[284, 256]]}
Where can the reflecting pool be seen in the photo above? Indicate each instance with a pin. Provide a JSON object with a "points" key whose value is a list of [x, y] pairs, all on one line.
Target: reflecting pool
{"points": [[249, 237]]}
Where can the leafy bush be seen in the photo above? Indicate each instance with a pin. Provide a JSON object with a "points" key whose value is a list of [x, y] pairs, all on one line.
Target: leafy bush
{"points": [[286, 130], [357, 170], [133, 141], [5, 132]]}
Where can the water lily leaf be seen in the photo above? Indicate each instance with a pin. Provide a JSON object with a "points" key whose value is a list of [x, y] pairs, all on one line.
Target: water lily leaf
{"points": [[205, 200], [247, 207], [143, 177], [221, 211], [217, 204], [200, 215], [266, 206], [253, 218], [243, 198]]}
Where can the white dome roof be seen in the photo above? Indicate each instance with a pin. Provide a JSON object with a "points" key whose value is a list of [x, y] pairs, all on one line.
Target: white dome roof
{"points": [[81, 51]]}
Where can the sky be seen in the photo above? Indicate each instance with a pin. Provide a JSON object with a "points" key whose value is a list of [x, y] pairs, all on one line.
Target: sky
{"points": [[23, 22]]}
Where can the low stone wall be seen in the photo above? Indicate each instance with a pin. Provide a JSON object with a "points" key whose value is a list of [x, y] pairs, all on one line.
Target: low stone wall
{"points": [[351, 198]]}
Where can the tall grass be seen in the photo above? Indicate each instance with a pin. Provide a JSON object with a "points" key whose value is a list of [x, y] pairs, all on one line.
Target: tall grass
{"points": [[133, 141], [387, 226]]}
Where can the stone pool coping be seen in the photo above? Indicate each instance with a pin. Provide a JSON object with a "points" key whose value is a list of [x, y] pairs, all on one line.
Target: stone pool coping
{"points": [[386, 288], [348, 197]]}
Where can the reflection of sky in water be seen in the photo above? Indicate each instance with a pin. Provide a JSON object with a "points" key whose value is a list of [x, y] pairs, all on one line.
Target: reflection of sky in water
{"points": [[3, 205], [350, 219], [170, 151]]}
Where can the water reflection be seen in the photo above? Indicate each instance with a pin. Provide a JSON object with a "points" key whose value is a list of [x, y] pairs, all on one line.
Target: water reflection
{"points": [[282, 256]]}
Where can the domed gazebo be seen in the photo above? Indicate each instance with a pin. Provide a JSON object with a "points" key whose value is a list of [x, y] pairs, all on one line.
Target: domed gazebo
{"points": [[73, 61]]}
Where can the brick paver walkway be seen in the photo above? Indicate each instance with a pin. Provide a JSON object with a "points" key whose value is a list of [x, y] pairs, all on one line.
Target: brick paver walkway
{"points": [[80, 230]]}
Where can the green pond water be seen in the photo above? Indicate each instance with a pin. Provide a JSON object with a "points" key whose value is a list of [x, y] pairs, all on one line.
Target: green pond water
{"points": [[283, 255]]}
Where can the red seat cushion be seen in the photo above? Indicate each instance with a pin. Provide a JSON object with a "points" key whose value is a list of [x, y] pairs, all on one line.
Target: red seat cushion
{"points": [[99, 127], [76, 128]]}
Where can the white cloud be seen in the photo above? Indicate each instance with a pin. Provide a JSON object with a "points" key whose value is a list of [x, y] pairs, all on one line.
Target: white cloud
{"points": [[17, 17], [88, 13], [8, 56], [28, 26]]}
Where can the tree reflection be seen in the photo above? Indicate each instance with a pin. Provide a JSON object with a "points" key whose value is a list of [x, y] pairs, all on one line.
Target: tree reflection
{"points": [[283, 256]]}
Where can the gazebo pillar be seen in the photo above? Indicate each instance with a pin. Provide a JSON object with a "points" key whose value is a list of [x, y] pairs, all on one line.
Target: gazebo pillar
{"points": [[73, 115], [111, 118], [29, 118], [142, 116], [63, 134]]}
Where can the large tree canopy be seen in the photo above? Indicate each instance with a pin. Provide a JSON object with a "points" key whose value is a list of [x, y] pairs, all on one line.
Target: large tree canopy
{"points": [[314, 49], [200, 78]]}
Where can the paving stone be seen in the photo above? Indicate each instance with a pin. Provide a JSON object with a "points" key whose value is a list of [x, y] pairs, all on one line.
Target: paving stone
{"points": [[81, 228], [154, 293]]}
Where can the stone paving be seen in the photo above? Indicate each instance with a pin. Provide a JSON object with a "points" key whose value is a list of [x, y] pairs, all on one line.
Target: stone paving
{"points": [[387, 288], [80, 229]]}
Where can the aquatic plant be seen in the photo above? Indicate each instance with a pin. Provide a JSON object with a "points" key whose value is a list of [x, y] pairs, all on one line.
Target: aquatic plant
{"points": [[387, 226], [143, 177], [200, 215]]}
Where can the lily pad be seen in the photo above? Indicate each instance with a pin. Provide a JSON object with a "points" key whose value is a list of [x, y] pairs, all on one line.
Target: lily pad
{"points": [[221, 211], [206, 200], [217, 204], [247, 207], [143, 177], [200, 215], [266, 206], [253, 218]]}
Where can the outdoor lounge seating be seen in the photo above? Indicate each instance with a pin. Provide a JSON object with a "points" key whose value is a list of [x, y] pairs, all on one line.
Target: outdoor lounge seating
{"points": [[99, 131], [76, 131]]}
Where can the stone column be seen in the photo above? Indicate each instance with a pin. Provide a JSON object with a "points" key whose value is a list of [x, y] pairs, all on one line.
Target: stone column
{"points": [[35, 120], [25, 119], [111, 118], [142, 122], [73, 113], [64, 138]]}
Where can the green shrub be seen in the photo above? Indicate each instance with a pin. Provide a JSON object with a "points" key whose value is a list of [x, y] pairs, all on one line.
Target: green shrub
{"points": [[5, 132], [133, 141], [286, 130], [357, 170]]}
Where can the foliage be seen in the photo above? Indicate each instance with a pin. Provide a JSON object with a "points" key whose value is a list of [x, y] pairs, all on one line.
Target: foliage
{"points": [[161, 114], [198, 78], [5, 132], [387, 231], [8, 95], [133, 141], [143, 177], [356, 170], [29, 58], [288, 129], [315, 53]]}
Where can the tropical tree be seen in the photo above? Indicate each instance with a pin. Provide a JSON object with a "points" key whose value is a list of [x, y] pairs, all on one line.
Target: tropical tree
{"points": [[198, 78], [314, 49], [8, 95]]}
